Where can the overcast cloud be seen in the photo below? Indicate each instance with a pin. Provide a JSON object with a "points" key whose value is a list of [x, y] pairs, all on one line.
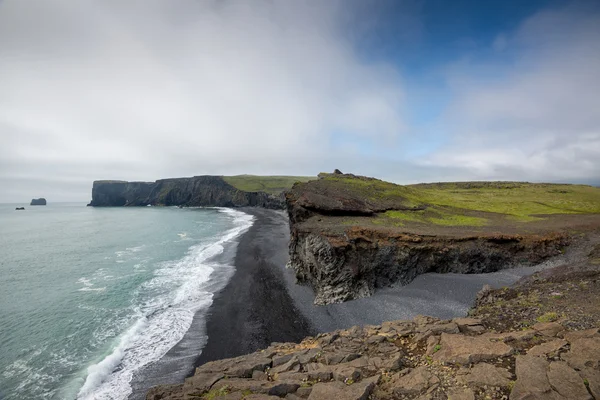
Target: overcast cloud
{"points": [[141, 90], [535, 117]]}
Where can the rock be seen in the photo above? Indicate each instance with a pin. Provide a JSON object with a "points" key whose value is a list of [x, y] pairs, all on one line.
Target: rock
{"points": [[375, 339], [200, 383], [38, 202], [459, 349], [585, 334], [548, 328], [592, 377], [278, 360], [345, 374], [469, 325], [309, 356], [510, 336], [259, 376], [567, 382], [461, 394], [548, 348], [338, 390], [416, 382], [241, 367], [283, 389], [337, 172], [319, 372], [171, 392], [584, 353], [532, 382], [291, 365], [335, 358], [484, 374], [304, 391], [19, 208]]}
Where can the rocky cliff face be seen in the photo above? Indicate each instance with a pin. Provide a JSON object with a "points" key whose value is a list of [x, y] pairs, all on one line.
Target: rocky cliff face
{"points": [[38, 202], [337, 248], [198, 191]]}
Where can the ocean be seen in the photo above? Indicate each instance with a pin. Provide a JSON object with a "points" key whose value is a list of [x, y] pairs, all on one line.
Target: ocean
{"points": [[91, 296]]}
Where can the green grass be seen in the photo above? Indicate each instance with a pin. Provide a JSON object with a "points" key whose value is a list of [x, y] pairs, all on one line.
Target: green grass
{"points": [[520, 201], [452, 204], [269, 184], [437, 216], [548, 317]]}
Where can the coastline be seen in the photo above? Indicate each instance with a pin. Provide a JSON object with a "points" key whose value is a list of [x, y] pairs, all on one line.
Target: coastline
{"points": [[261, 304], [255, 308]]}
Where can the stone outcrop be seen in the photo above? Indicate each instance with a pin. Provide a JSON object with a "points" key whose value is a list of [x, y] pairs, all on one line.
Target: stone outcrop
{"points": [[198, 191], [415, 359], [335, 248], [38, 202]]}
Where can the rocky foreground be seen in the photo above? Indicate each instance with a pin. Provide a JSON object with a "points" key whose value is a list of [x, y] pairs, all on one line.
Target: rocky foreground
{"points": [[539, 340]]}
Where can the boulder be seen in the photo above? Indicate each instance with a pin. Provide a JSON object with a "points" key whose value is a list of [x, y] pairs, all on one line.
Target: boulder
{"points": [[549, 348], [459, 349], [338, 390], [484, 374], [416, 382]]}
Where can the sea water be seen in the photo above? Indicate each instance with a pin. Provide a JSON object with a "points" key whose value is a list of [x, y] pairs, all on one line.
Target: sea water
{"points": [[91, 296]]}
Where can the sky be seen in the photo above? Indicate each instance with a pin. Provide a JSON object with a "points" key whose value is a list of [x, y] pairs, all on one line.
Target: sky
{"points": [[406, 91]]}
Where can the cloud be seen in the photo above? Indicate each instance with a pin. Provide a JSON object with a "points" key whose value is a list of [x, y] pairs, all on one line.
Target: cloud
{"points": [[533, 115], [151, 89]]}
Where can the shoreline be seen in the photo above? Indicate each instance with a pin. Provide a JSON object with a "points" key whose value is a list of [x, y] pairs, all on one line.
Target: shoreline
{"points": [[253, 309]]}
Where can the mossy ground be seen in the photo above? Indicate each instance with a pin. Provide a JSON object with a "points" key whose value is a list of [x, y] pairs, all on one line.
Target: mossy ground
{"points": [[269, 184], [471, 203]]}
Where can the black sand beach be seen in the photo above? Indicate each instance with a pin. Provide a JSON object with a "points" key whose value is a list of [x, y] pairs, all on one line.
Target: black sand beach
{"points": [[255, 308], [261, 304]]}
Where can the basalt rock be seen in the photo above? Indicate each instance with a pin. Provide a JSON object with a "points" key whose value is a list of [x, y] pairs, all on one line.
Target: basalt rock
{"points": [[198, 191], [38, 202]]}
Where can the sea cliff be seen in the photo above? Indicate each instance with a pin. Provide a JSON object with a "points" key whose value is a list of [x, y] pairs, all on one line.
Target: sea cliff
{"points": [[351, 234], [197, 191]]}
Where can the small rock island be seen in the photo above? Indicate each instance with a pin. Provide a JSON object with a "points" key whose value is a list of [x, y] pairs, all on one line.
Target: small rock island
{"points": [[38, 202]]}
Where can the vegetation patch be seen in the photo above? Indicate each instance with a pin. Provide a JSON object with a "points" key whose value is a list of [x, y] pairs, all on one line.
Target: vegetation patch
{"points": [[520, 201], [269, 184], [435, 216], [463, 203]]}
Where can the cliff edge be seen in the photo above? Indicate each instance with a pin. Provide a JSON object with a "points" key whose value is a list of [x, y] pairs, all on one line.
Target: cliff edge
{"points": [[197, 191], [352, 234]]}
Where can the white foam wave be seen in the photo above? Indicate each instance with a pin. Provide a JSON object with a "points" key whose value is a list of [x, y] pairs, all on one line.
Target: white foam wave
{"points": [[164, 318]]}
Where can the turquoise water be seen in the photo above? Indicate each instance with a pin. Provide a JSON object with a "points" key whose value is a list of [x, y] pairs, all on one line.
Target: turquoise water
{"points": [[88, 296]]}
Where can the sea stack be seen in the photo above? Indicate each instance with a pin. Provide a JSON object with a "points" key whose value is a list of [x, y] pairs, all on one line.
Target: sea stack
{"points": [[38, 202]]}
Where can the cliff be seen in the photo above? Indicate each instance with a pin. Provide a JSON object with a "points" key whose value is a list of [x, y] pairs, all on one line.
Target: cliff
{"points": [[38, 202], [353, 234], [197, 191]]}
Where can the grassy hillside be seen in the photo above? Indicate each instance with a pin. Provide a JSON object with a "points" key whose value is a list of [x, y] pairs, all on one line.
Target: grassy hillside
{"points": [[269, 184], [471, 203]]}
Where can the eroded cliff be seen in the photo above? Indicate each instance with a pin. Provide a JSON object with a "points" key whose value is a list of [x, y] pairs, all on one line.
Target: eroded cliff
{"points": [[198, 191], [352, 234]]}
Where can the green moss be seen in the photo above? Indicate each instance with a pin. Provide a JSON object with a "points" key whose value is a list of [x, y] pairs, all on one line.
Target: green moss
{"points": [[437, 348], [548, 317], [437, 216], [269, 184], [214, 393]]}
